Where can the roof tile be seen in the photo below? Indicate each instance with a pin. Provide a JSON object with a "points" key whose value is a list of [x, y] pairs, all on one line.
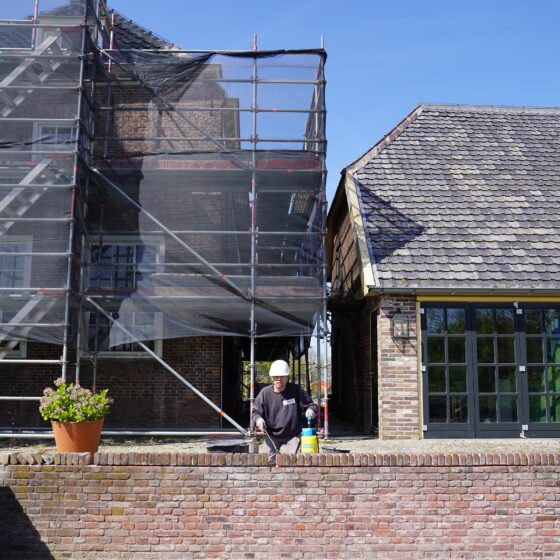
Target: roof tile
{"points": [[465, 197]]}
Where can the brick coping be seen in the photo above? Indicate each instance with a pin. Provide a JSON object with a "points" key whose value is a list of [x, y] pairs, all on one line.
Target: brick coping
{"points": [[39, 458]]}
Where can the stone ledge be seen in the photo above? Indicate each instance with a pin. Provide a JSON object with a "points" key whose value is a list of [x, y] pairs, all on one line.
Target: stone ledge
{"points": [[418, 459], [45, 458], [261, 460], [182, 459]]}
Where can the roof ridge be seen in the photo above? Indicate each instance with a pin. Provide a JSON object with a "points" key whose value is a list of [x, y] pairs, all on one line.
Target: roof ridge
{"points": [[459, 107], [388, 139]]}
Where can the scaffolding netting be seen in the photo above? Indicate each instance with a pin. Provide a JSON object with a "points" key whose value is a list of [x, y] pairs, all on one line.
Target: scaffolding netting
{"points": [[181, 192]]}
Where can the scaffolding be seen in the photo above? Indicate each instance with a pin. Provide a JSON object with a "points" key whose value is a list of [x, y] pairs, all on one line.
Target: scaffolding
{"points": [[156, 193]]}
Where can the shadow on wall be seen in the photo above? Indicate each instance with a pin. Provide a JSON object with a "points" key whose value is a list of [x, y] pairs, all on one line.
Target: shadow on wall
{"points": [[19, 540], [387, 228]]}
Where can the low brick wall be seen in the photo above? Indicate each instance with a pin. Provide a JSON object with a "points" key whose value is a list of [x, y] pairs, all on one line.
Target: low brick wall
{"points": [[175, 506]]}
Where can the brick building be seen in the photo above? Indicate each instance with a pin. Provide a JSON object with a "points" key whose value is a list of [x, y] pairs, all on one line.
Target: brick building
{"points": [[443, 261], [151, 209]]}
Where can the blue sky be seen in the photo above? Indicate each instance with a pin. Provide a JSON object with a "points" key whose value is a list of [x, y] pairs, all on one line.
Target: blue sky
{"points": [[383, 57]]}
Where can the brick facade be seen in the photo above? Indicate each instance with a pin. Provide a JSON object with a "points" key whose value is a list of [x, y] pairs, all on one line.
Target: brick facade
{"points": [[399, 390], [146, 395], [467, 506]]}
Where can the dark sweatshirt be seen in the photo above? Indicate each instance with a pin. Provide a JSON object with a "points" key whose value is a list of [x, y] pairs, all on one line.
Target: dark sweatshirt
{"points": [[282, 412]]}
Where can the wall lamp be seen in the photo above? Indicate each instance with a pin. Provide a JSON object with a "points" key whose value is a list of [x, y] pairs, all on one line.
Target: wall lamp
{"points": [[400, 325]]}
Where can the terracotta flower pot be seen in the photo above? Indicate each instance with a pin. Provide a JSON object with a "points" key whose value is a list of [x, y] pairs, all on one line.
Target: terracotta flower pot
{"points": [[77, 437]]}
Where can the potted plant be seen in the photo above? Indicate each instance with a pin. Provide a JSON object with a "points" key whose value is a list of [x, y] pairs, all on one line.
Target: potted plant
{"points": [[76, 415]]}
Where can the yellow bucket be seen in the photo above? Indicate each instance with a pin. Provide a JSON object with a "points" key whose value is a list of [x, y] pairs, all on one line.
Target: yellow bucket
{"points": [[309, 441]]}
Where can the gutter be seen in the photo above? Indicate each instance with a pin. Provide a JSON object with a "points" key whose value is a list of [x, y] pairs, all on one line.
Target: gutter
{"points": [[373, 290]]}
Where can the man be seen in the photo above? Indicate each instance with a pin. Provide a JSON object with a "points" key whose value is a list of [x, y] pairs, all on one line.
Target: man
{"points": [[279, 409]]}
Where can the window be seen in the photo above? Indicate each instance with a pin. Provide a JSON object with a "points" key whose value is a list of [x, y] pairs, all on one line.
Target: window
{"points": [[446, 366], [542, 333], [120, 265], [65, 39], [54, 138], [15, 268], [15, 272], [16, 349], [491, 370]]}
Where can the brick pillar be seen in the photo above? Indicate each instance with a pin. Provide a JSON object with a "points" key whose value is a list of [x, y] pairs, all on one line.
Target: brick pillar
{"points": [[399, 390]]}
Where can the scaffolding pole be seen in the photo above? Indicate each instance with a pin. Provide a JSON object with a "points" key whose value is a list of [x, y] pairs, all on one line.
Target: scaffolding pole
{"points": [[85, 189], [66, 335], [325, 383], [318, 368], [252, 326]]}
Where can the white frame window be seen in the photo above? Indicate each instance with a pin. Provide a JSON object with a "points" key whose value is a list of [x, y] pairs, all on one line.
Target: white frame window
{"points": [[56, 137], [19, 352], [55, 23], [19, 266], [118, 270], [16, 271]]}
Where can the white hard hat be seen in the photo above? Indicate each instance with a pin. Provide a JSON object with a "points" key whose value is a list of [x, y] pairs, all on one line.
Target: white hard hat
{"points": [[279, 368]]}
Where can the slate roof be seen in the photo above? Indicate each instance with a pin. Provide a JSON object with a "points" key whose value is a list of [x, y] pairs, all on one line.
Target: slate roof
{"points": [[127, 33], [130, 35], [462, 197]]}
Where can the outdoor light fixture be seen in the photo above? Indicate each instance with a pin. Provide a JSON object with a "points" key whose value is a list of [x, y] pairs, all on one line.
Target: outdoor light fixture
{"points": [[400, 325]]}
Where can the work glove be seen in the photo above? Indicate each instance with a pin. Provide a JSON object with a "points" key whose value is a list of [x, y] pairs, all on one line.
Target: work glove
{"points": [[309, 413], [260, 425]]}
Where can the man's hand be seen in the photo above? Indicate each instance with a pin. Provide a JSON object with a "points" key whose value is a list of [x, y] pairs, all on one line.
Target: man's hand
{"points": [[309, 413], [260, 425]]}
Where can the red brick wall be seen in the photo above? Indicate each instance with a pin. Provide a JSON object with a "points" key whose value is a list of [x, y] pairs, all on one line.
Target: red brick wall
{"points": [[467, 506], [146, 395], [399, 391]]}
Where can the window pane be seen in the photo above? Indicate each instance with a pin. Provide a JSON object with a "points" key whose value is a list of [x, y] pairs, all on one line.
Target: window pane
{"points": [[554, 403], [534, 350], [554, 351], [436, 379], [508, 409], [435, 320], [506, 352], [64, 134], [485, 350], [459, 409], [507, 379], [537, 409], [554, 379], [457, 379], [487, 408], [535, 379], [456, 350], [504, 321], [456, 321], [533, 321], [438, 409], [436, 349], [483, 321], [486, 379], [552, 321]]}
